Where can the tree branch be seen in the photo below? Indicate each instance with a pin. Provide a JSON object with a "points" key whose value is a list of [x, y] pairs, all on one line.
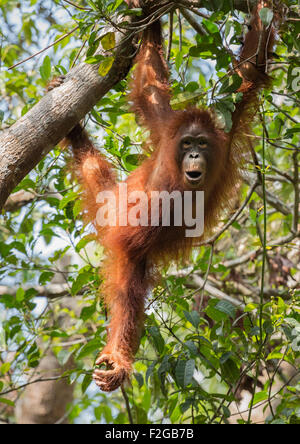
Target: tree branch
{"points": [[244, 5], [25, 144], [272, 200], [239, 5], [54, 378], [52, 291], [193, 22], [18, 200], [215, 292]]}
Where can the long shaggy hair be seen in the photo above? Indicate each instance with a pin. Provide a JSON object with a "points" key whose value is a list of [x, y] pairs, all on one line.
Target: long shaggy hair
{"points": [[133, 253]]}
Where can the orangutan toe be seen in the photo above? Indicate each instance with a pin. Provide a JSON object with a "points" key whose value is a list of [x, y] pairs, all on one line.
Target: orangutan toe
{"points": [[56, 82]]}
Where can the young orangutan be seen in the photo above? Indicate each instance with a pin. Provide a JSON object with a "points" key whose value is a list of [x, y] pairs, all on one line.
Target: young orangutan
{"points": [[190, 153]]}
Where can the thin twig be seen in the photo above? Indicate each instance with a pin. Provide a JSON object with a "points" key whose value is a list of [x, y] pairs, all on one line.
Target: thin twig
{"points": [[233, 218], [171, 22], [45, 49], [77, 6], [180, 29], [296, 188], [127, 404], [194, 23], [211, 255], [54, 378]]}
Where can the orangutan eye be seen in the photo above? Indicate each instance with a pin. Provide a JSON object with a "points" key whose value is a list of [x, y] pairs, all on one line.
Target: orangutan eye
{"points": [[202, 142], [187, 144]]}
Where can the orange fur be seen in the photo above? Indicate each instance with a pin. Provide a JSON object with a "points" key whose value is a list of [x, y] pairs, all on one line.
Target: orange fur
{"points": [[133, 253]]}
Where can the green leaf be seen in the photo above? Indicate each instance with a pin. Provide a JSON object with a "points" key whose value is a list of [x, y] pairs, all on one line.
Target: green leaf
{"points": [[20, 295], [255, 331], [186, 405], [184, 372], [274, 355], [84, 242], [230, 84], [250, 307], [213, 313], [87, 380], [105, 66], [77, 208], [294, 419], [87, 312], [226, 114], [98, 412], [63, 356], [158, 340], [7, 402], [268, 327], [45, 277], [70, 197], [230, 371], [94, 60], [291, 131], [90, 348], [227, 308], [204, 50], [179, 60], [83, 279], [192, 347], [19, 246], [193, 317], [58, 334], [5, 368], [225, 357], [45, 69], [266, 16], [150, 370], [140, 379], [134, 11], [108, 41], [260, 396], [278, 422], [165, 366], [117, 4], [131, 161]]}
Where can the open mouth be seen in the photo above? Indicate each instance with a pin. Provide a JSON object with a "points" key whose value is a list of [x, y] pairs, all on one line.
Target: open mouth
{"points": [[193, 176]]}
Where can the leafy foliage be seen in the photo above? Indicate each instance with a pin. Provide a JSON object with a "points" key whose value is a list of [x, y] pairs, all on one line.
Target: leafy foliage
{"points": [[199, 354]]}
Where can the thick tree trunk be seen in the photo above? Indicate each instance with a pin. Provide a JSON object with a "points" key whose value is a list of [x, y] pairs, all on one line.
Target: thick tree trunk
{"points": [[18, 200], [46, 402]]}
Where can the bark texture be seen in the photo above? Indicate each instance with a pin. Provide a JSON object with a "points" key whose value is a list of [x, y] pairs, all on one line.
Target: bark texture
{"points": [[25, 143], [46, 402]]}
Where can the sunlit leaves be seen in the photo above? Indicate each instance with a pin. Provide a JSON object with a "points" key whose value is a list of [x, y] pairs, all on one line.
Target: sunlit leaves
{"points": [[108, 41], [45, 69], [230, 84], [90, 348], [195, 347], [184, 372], [266, 16], [193, 317], [158, 340], [105, 66]]}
